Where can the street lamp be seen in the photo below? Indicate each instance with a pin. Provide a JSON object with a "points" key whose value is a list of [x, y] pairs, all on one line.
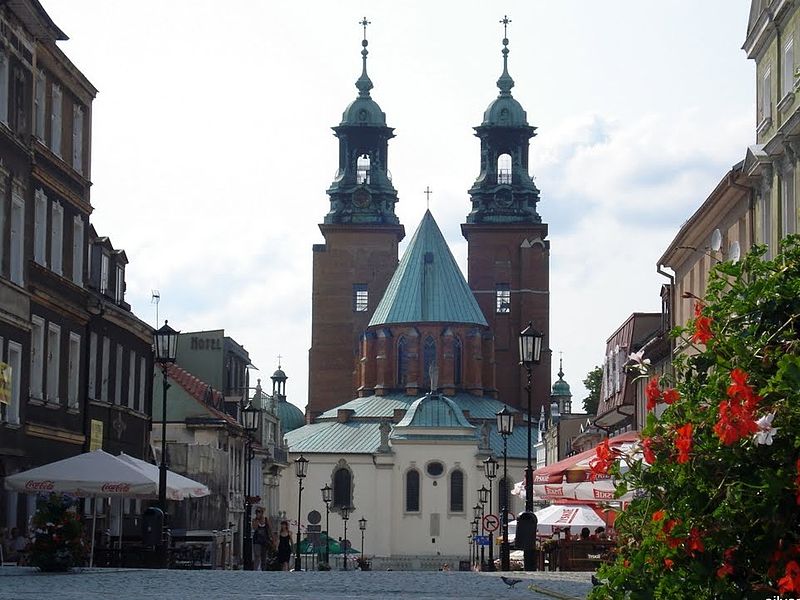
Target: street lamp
{"points": [[345, 515], [474, 545], [530, 353], [327, 496], [477, 512], [165, 343], [300, 468], [505, 426], [362, 525], [249, 420], [490, 470]]}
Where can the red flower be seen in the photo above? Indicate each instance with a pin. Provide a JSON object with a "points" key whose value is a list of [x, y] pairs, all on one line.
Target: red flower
{"points": [[652, 392], [668, 563], [737, 413], [695, 542], [601, 463], [647, 451], [702, 325], [670, 395], [684, 443], [727, 566], [790, 582], [659, 515]]}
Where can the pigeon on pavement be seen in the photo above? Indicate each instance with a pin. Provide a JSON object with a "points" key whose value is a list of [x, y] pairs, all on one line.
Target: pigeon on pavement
{"points": [[510, 582]]}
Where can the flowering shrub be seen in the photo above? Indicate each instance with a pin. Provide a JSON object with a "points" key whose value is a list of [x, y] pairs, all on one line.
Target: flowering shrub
{"points": [[717, 513], [57, 536]]}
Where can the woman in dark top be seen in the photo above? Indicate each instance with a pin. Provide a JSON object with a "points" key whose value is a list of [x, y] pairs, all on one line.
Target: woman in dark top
{"points": [[284, 546], [262, 540]]}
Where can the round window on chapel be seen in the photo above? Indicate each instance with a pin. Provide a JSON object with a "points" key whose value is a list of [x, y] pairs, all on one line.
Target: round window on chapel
{"points": [[435, 468]]}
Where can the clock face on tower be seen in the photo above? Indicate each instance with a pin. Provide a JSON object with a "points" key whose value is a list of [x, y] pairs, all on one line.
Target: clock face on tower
{"points": [[361, 198], [503, 198]]}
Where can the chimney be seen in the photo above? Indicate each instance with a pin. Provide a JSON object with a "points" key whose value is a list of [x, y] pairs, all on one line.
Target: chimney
{"points": [[343, 415], [398, 415]]}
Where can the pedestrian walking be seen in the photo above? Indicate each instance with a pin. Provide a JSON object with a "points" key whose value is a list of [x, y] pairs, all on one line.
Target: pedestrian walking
{"points": [[284, 546], [262, 540]]}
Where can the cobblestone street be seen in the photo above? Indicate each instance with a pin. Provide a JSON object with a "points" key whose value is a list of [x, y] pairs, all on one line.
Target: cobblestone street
{"points": [[117, 584]]}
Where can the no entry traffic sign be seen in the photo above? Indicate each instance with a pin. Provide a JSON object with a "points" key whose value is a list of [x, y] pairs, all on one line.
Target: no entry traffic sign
{"points": [[491, 522]]}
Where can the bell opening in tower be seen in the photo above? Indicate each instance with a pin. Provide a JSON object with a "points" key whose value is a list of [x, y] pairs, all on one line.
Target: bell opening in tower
{"points": [[504, 169], [362, 169]]}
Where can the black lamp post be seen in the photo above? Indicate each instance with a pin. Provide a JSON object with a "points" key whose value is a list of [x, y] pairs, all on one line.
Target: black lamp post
{"points": [[300, 468], [474, 543], [530, 353], [345, 516], [249, 420], [477, 512], [165, 342], [362, 525], [490, 470], [327, 496], [505, 426]]}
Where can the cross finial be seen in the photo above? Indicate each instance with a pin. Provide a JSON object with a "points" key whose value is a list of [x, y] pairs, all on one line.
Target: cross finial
{"points": [[279, 360], [505, 21], [363, 22], [428, 193]]}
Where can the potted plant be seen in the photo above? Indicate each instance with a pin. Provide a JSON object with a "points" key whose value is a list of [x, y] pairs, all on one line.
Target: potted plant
{"points": [[57, 536]]}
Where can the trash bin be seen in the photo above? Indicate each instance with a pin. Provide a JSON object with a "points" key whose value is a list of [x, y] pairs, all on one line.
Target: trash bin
{"points": [[152, 526]]}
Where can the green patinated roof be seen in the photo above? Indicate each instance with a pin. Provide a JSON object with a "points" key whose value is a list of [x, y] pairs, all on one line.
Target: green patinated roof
{"points": [[436, 412], [561, 387], [479, 407], [332, 437], [291, 417], [428, 286]]}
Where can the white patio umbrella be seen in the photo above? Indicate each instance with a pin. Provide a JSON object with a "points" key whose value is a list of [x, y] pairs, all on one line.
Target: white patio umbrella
{"points": [[179, 487], [89, 475], [570, 515]]}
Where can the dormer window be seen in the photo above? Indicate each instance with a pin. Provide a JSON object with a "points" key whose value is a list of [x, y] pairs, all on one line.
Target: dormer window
{"points": [[119, 281], [104, 265], [362, 169]]}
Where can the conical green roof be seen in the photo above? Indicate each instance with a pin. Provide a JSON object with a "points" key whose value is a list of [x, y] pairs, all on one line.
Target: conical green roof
{"points": [[428, 286]]}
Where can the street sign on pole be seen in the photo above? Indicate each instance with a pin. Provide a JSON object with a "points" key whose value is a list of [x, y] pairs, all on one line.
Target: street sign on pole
{"points": [[491, 522], [482, 540]]}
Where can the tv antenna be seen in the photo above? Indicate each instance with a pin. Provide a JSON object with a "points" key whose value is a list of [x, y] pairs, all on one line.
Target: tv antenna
{"points": [[155, 298]]}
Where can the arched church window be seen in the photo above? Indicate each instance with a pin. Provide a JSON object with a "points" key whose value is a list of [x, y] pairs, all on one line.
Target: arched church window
{"points": [[342, 487], [428, 360], [412, 491], [362, 169], [402, 362], [504, 169], [457, 491], [457, 352]]}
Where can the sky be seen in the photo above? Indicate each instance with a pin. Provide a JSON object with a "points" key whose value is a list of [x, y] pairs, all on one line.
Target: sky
{"points": [[212, 148]]}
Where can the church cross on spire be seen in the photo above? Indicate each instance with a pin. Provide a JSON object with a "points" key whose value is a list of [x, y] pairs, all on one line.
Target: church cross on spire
{"points": [[364, 84], [428, 192], [505, 83]]}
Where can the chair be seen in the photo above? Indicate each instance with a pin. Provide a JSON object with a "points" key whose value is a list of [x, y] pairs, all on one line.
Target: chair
{"points": [[3, 562]]}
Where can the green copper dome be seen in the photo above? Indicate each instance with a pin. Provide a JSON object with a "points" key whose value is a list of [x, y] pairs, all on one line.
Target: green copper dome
{"points": [[290, 416], [561, 387]]}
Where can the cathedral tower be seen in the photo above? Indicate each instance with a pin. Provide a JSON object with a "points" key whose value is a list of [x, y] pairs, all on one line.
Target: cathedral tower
{"points": [[353, 267], [508, 253]]}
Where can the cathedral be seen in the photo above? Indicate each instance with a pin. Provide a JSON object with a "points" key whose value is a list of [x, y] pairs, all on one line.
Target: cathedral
{"points": [[410, 361]]}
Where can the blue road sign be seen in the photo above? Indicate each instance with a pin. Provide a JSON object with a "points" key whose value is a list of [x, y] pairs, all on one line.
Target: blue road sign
{"points": [[482, 540]]}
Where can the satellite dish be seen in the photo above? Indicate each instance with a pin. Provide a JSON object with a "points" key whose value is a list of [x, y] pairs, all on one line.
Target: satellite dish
{"points": [[734, 252], [716, 240]]}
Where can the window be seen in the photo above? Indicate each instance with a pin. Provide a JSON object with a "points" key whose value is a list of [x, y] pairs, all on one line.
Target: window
{"points": [[142, 380], [119, 284], [15, 363], [503, 298], [788, 213], [360, 297], [57, 238], [788, 67], [362, 169], [766, 96], [40, 227], [402, 362], [457, 354], [104, 273], [3, 189], [457, 491], [77, 250], [428, 360], [17, 238], [77, 138], [92, 384], [53, 361], [412, 491], [37, 356], [131, 380], [504, 169], [38, 105], [55, 121], [4, 88], [74, 371], [434, 468], [104, 371], [342, 487], [18, 117], [118, 376]]}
